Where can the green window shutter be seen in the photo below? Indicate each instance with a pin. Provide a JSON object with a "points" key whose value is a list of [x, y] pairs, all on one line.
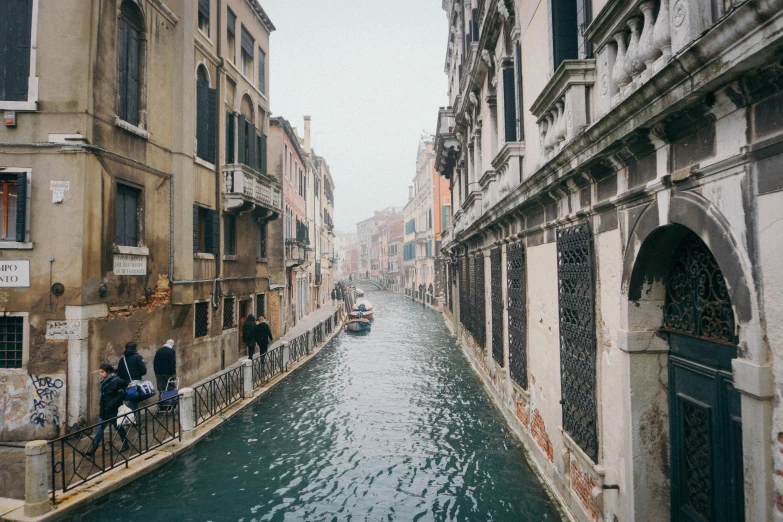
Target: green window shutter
{"points": [[202, 118], [229, 137], [241, 128], [211, 125], [195, 228], [213, 231], [21, 205], [262, 154], [15, 24]]}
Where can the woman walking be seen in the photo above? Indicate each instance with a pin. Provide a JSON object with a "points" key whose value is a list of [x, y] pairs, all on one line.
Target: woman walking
{"points": [[112, 394], [248, 335]]}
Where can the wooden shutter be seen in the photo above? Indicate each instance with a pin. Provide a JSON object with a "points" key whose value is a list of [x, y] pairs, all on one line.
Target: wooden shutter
{"points": [[520, 94], [122, 70], [211, 125], [565, 31], [509, 105], [261, 70], [231, 22], [229, 137], [134, 49], [15, 23], [241, 128], [202, 118], [203, 8], [21, 205], [119, 216], [131, 216], [252, 160], [247, 42], [195, 228], [262, 165], [213, 231]]}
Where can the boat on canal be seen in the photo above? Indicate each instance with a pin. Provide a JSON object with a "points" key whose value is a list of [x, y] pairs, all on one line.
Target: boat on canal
{"points": [[358, 324], [363, 309], [359, 292]]}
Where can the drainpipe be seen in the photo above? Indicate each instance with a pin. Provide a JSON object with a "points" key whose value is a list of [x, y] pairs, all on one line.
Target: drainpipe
{"points": [[218, 174]]}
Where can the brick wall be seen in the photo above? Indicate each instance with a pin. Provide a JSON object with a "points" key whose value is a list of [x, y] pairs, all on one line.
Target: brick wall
{"points": [[582, 485], [538, 431]]}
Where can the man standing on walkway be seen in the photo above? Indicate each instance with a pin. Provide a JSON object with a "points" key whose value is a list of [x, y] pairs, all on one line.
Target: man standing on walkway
{"points": [[131, 368], [263, 335], [334, 295], [249, 335], [165, 365]]}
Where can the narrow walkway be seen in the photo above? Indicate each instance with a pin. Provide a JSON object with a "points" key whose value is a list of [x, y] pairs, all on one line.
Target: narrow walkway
{"points": [[307, 323]]}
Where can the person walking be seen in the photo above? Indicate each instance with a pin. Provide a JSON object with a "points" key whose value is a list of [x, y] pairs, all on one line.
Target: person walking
{"points": [[248, 335], [262, 334], [131, 368], [165, 365], [112, 394], [334, 295]]}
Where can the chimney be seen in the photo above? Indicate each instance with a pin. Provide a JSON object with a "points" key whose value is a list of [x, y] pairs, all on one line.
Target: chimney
{"points": [[307, 135], [410, 192]]}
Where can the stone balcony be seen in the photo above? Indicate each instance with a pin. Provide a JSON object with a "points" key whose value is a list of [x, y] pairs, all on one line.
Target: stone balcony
{"points": [[447, 146], [423, 237], [297, 253], [245, 190]]}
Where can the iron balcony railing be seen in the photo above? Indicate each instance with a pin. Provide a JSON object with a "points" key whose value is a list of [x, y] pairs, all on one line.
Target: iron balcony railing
{"points": [[267, 365], [145, 429], [217, 394]]}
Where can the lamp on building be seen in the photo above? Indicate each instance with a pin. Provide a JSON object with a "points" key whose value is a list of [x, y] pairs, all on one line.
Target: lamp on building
{"points": [[103, 291]]}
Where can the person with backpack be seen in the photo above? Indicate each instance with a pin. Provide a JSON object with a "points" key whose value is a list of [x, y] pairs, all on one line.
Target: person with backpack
{"points": [[131, 368], [248, 335], [112, 394]]}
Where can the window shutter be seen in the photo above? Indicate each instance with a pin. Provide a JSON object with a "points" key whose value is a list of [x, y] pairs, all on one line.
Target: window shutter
{"points": [[261, 70], [195, 228], [262, 154], [214, 231], [131, 217], [252, 160], [122, 72], [203, 8], [520, 94], [247, 42], [211, 125], [21, 205], [564, 31], [231, 22], [202, 118], [134, 46], [241, 128], [229, 137], [119, 216], [509, 105], [15, 49]]}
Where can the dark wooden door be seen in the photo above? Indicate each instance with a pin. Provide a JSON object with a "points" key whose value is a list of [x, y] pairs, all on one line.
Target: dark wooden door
{"points": [[244, 309]]}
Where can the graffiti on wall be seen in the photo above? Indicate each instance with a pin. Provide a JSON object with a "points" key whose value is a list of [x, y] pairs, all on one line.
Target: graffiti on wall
{"points": [[31, 406]]}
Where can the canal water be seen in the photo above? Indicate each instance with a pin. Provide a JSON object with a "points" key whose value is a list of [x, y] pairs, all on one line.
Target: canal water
{"points": [[387, 425]]}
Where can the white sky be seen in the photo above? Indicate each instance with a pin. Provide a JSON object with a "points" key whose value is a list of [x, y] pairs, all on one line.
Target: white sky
{"points": [[370, 73]]}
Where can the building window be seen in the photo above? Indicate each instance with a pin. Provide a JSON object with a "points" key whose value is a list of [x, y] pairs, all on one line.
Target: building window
{"points": [[260, 305], [247, 44], [509, 104], [203, 16], [127, 209], [206, 230], [231, 30], [15, 45], [569, 19], [201, 320], [230, 235], [206, 116], [261, 70], [261, 245], [248, 142], [131, 27], [230, 133], [13, 206], [11, 341], [228, 313]]}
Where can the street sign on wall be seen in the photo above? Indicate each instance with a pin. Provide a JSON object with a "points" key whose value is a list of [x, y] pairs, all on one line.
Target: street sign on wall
{"points": [[125, 264], [14, 274]]}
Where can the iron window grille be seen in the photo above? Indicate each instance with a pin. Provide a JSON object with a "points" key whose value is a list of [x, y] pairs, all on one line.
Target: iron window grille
{"points": [[11, 341], [260, 305], [479, 319], [201, 319], [576, 294], [517, 314], [228, 313], [496, 262], [464, 292]]}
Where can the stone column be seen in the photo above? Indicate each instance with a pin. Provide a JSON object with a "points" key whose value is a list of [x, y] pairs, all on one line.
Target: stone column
{"points": [[247, 379], [36, 479], [187, 412]]}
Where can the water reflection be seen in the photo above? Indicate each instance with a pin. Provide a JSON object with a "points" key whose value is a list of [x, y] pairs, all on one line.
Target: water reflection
{"points": [[386, 426]]}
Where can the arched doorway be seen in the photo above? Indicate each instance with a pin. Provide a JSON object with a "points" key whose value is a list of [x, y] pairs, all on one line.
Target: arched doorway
{"points": [[704, 407]]}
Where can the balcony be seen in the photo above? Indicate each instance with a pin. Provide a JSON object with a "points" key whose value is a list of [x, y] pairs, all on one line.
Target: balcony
{"points": [[245, 190], [447, 146], [423, 237], [297, 253]]}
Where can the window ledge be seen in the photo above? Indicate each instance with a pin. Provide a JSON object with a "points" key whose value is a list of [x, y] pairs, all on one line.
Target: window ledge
{"points": [[203, 255], [131, 128], [231, 257], [131, 250], [16, 245], [262, 260], [204, 163], [19, 106]]}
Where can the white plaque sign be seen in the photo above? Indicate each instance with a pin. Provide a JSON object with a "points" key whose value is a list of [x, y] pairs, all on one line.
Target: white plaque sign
{"points": [[59, 185], [71, 329], [125, 264], [14, 274]]}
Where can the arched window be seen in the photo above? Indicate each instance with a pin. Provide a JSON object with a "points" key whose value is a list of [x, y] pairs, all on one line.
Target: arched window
{"points": [[131, 28], [206, 116], [248, 153]]}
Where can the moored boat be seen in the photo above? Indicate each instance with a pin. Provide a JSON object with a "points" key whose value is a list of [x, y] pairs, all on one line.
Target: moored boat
{"points": [[359, 292], [357, 325]]}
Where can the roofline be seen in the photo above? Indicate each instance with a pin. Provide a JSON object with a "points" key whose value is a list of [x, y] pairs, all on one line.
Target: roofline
{"points": [[256, 5], [292, 137]]}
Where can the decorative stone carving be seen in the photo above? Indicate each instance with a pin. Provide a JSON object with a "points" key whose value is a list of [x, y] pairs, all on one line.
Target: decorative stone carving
{"points": [[620, 77], [549, 138], [561, 124], [633, 65], [688, 20], [648, 52], [662, 32]]}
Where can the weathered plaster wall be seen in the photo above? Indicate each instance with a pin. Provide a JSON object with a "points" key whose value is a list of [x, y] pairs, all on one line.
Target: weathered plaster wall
{"points": [[31, 406]]}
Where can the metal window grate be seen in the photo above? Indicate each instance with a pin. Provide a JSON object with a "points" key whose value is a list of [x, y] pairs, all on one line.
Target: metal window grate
{"points": [[260, 305], [479, 316], [464, 293], [201, 319], [11, 342], [496, 261], [577, 336], [517, 314], [228, 313]]}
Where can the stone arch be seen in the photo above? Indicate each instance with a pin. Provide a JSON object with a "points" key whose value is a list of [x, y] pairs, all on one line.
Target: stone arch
{"points": [[202, 73], [246, 107]]}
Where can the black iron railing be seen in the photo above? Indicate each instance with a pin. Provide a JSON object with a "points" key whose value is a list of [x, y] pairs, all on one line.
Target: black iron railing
{"points": [[217, 394], [75, 459], [297, 348], [328, 326], [318, 334], [267, 365]]}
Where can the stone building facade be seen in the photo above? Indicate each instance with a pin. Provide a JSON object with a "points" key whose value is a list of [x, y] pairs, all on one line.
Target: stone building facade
{"points": [[614, 261], [133, 147]]}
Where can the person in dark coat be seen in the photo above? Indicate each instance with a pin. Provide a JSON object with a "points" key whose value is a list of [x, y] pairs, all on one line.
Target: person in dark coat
{"points": [[248, 334], [165, 365], [131, 368], [263, 335], [334, 296], [112, 394]]}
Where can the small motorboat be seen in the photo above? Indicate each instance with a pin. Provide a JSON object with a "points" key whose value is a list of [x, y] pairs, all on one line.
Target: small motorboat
{"points": [[358, 313], [363, 307], [359, 292], [357, 325], [365, 302]]}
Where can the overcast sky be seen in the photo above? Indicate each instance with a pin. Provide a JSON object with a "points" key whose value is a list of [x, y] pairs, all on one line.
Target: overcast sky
{"points": [[370, 73]]}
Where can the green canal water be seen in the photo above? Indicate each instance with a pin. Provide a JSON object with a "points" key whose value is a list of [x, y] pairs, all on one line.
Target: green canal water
{"points": [[389, 425]]}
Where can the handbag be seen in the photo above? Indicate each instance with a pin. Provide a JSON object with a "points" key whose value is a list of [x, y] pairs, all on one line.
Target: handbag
{"points": [[138, 390], [125, 416]]}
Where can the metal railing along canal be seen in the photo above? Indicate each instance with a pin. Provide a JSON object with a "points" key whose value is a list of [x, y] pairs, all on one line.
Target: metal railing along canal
{"points": [[217, 394], [267, 365]]}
